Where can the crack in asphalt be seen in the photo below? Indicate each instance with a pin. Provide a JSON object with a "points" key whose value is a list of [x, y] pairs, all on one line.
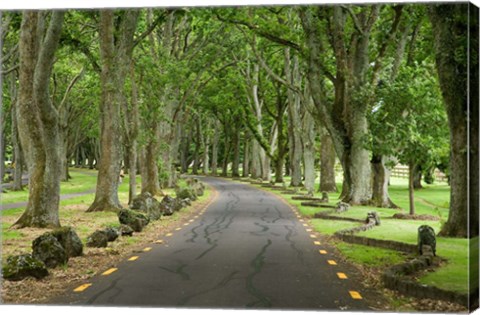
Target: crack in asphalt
{"points": [[257, 265]]}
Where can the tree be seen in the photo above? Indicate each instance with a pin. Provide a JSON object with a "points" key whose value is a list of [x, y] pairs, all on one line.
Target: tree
{"points": [[455, 27], [116, 46], [38, 117]]}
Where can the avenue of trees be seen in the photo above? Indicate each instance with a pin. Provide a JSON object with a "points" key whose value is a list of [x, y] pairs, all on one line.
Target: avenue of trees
{"points": [[244, 91]]}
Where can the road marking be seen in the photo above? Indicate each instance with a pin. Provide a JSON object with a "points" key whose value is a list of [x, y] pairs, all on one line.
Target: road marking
{"points": [[313, 236], [301, 220], [341, 275], [147, 249], [355, 295], [159, 242], [190, 220], [83, 287], [305, 224], [178, 229], [186, 224], [322, 251], [133, 258], [317, 243], [169, 234], [109, 271], [309, 230], [332, 262]]}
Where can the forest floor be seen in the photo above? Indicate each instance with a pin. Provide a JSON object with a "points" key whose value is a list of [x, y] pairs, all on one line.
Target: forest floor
{"points": [[431, 200], [94, 260]]}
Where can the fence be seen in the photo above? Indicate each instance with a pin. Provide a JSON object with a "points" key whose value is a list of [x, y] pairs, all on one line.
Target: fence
{"points": [[401, 171]]}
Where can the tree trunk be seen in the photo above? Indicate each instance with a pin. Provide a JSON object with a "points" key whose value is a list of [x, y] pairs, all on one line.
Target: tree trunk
{"points": [[236, 153], [17, 184], [450, 29], [327, 163], [411, 188], [381, 178], [116, 47], [246, 157], [294, 121], [38, 119], [308, 140], [417, 176], [216, 139]]}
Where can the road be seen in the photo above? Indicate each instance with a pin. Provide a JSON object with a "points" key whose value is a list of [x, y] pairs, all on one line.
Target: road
{"points": [[247, 249]]}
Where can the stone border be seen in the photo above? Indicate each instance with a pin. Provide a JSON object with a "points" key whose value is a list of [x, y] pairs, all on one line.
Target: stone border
{"points": [[394, 278]]}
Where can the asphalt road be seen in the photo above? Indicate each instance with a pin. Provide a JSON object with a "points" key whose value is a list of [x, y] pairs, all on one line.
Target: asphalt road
{"points": [[248, 249]]}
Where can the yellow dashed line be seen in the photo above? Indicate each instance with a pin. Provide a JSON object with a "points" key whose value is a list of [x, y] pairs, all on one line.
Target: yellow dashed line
{"points": [[341, 275], [309, 230], [109, 271], [178, 229], [159, 242], [317, 243], [332, 262], [355, 295], [186, 224], [147, 249], [301, 220], [313, 236], [83, 287], [323, 252], [305, 224], [169, 234], [190, 220], [133, 258]]}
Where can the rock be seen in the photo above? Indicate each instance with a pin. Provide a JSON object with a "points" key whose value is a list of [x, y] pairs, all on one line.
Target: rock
{"points": [[426, 236], [199, 188], [147, 204], [22, 266], [168, 205], [187, 192], [48, 249], [187, 202], [112, 234], [69, 240], [97, 239], [373, 217], [342, 207], [125, 230], [134, 219]]}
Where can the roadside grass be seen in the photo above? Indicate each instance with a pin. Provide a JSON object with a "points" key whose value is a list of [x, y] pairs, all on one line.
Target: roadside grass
{"points": [[82, 180], [432, 199], [72, 212]]}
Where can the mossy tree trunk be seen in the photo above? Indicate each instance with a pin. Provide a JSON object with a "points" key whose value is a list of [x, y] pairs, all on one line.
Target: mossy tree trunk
{"points": [[38, 118]]}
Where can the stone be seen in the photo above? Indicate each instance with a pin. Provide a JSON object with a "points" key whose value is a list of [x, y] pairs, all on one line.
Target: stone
{"points": [[22, 266], [125, 230], [342, 207], [186, 192], [373, 217], [134, 219], [48, 249], [426, 236], [112, 234], [147, 204], [69, 240], [97, 239], [168, 205], [187, 201]]}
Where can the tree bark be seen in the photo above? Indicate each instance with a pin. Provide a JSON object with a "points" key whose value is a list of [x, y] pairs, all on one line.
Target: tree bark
{"points": [[38, 118], [327, 163], [381, 179], [116, 47], [451, 34], [216, 139]]}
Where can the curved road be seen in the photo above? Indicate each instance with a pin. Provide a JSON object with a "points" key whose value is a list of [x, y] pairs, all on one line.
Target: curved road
{"points": [[248, 249]]}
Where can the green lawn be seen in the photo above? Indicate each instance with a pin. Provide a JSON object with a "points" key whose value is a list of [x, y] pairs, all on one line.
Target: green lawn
{"points": [[432, 200]]}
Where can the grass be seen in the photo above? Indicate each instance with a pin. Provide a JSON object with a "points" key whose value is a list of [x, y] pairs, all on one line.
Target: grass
{"points": [[72, 212], [433, 199]]}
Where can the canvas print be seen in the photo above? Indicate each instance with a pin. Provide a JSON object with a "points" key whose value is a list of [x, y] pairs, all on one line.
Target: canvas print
{"points": [[319, 157]]}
